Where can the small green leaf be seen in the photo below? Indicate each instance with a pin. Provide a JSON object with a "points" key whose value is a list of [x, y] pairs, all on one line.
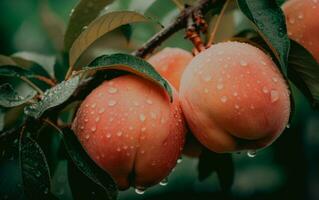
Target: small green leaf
{"points": [[83, 14], [46, 62], [53, 97], [34, 167], [131, 64], [100, 27], [222, 164], [10, 98], [270, 22], [303, 71], [83, 162]]}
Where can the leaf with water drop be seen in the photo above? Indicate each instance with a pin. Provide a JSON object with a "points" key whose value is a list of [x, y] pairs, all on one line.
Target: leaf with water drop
{"points": [[88, 168], [303, 71], [222, 164], [53, 97], [10, 98], [100, 27], [131, 64], [269, 19], [34, 168], [83, 13]]}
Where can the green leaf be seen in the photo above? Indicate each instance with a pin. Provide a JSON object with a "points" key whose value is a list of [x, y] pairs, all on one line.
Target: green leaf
{"points": [[84, 163], [100, 27], [83, 14], [270, 22], [34, 167], [222, 164], [131, 64], [46, 62], [303, 71], [10, 98], [53, 97], [15, 71]]}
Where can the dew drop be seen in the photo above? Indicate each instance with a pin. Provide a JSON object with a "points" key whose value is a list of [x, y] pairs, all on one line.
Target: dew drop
{"points": [[263, 62], [223, 99], [237, 106], [220, 86], [265, 90], [149, 101], [111, 102], [108, 135], [288, 126], [274, 79], [142, 117], [243, 63], [291, 20], [101, 110], [235, 94], [251, 153], [93, 129], [300, 16], [164, 182], [274, 96], [120, 133], [87, 136], [86, 119], [143, 129], [97, 119], [85, 27], [93, 105], [179, 160], [139, 190], [112, 90]]}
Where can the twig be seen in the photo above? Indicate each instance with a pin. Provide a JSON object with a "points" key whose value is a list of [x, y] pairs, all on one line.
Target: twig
{"points": [[179, 23], [216, 26], [32, 85]]}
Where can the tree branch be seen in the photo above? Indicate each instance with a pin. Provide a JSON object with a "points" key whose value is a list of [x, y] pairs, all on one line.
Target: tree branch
{"points": [[181, 22]]}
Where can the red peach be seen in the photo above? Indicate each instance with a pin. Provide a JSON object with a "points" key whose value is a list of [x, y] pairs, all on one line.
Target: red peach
{"points": [[302, 23], [234, 98], [131, 130], [170, 63]]}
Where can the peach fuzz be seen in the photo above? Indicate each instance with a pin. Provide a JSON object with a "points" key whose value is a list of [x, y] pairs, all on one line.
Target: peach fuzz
{"points": [[234, 98], [129, 127], [302, 23], [170, 63]]}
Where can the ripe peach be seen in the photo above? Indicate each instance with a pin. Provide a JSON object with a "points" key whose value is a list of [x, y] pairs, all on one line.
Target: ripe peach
{"points": [[234, 98], [131, 130], [302, 23], [170, 63]]}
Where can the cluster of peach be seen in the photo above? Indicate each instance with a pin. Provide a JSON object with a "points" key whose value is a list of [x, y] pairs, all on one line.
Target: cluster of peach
{"points": [[231, 97]]}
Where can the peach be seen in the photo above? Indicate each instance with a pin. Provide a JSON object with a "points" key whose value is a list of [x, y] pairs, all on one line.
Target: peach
{"points": [[170, 63], [130, 129], [234, 98], [302, 23]]}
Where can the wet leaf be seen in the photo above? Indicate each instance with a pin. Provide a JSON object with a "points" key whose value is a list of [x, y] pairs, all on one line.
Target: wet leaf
{"points": [[10, 98], [100, 27], [87, 167], [303, 71], [131, 64], [83, 14], [269, 19], [53, 97], [34, 167]]}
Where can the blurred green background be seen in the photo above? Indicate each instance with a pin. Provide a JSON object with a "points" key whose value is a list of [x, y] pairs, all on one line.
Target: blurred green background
{"points": [[289, 169]]}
